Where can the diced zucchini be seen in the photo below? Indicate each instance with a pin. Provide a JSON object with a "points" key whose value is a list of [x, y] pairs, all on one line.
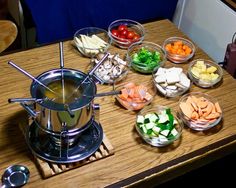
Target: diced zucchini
{"points": [[153, 117], [165, 132], [141, 125], [146, 120], [149, 131], [156, 129], [140, 119], [163, 138], [153, 134], [174, 132], [175, 122], [144, 129], [150, 125], [147, 116], [163, 118], [162, 126]]}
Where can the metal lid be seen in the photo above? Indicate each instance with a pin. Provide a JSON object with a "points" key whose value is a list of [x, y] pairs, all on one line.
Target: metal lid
{"points": [[15, 176], [72, 79]]}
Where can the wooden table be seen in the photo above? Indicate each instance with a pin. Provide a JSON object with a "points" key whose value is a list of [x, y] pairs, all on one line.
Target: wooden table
{"points": [[8, 34], [134, 161]]}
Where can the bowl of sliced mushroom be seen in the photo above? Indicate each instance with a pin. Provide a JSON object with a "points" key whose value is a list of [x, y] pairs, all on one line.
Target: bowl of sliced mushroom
{"points": [[112, 70]]}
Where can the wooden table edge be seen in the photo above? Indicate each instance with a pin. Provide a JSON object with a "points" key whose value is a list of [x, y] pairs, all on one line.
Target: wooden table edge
{"points": [[214, 149]]}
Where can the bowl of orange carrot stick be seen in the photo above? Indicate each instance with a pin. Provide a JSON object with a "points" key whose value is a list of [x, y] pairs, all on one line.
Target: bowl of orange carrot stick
{"points": [[134, 95], [178, 49], [200, 111]]}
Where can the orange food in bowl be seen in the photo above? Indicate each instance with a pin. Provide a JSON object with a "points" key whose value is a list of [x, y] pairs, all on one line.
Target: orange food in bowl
{"points": [[200, 111], [178, 48], [134, 97]]}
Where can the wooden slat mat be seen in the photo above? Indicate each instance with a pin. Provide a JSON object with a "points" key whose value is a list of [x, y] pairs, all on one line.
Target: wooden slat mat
{"points": [[49, 169]]}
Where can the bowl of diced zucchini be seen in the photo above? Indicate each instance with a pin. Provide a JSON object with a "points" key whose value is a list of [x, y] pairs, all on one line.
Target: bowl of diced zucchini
{"points": [[158, 125]]}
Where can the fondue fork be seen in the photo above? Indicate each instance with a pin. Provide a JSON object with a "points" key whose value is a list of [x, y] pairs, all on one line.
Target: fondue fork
{"points": [[30, 76], [90, 73], [12, 100], [62, 67]]}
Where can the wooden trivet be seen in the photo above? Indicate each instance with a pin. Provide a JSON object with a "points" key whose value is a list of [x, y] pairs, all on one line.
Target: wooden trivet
{"points": [[49, 169]]}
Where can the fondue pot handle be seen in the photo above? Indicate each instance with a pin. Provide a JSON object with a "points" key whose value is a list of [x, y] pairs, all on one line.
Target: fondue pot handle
{"points": [[29, 109], [96, 108]]}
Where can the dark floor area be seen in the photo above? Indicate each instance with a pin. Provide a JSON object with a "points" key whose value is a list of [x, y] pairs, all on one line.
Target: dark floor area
{"points": [[218, 173]]}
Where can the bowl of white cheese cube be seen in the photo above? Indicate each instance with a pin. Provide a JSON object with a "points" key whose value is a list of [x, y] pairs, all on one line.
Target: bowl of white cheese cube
{"points": [[171, 82], [91, 40], [158, 125], [205, 73]]}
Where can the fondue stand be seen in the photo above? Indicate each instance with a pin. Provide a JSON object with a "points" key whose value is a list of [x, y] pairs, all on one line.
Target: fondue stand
{"points": [[64, 125]]}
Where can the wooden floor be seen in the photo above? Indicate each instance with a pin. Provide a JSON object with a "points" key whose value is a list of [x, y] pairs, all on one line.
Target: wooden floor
{"points": [[218, 173]]}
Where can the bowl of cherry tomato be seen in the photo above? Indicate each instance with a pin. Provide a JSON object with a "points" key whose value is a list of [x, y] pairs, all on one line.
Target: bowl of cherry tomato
{"points": [[125, 32]]}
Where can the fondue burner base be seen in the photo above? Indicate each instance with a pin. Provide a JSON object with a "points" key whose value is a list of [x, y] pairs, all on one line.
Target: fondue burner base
{"points": [[42, 146]]}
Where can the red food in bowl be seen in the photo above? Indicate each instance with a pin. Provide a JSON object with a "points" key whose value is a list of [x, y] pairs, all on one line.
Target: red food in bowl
{"points": [[124, 32]]}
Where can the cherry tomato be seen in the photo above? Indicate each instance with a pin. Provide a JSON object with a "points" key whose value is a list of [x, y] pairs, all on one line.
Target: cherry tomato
{"points": [[136, 36], [122, 36], [122, 27], [130, 34], [115, 32], [124, 32]]}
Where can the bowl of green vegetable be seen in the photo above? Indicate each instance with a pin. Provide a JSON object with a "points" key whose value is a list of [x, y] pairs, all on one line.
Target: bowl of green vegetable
{"points": [[145, 57], [158, 125]]}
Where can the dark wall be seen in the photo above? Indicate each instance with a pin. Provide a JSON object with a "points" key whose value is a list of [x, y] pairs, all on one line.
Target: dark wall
{"points": [[59, 19]]}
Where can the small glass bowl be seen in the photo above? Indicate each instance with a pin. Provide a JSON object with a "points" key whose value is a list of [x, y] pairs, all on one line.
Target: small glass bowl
{"points": [[132, 25], [174, 56], [89, 47], [202, 77], [134, 103], [143, 66], [174, 89], [158, 140], [112, 70], [199, 123]]}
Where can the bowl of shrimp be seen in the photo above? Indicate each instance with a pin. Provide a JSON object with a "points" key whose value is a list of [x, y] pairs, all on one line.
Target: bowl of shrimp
{"points": [[135, 95]]}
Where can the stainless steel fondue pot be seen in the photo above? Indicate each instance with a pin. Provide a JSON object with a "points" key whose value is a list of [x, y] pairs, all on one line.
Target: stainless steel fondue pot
{"points": [[56, 117], [64, 126]]}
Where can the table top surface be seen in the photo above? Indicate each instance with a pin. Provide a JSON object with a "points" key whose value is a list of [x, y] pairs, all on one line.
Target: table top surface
{"points": [[8, 34], [134, 160]]}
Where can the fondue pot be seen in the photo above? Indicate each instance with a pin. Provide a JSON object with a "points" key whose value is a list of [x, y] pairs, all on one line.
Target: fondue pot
{"points": [[55, 116], [64, 126]]}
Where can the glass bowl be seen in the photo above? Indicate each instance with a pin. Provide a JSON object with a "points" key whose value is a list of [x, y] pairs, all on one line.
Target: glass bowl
{"points": [[135, 95], [158, 125], [146, 56], [178, 49], [171, 81], [91, 40], [124, 32], [205, 73], [112, 70], [199, 111]]}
